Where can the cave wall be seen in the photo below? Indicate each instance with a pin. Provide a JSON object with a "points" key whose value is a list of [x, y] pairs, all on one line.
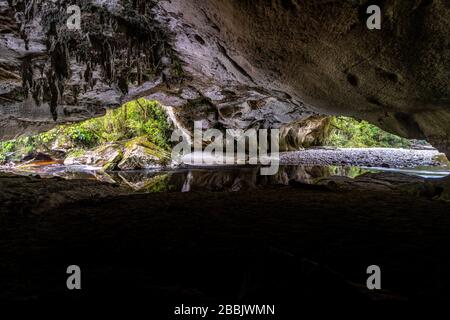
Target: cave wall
{"points": [[322, 54], [232, 63], [50, 74]]}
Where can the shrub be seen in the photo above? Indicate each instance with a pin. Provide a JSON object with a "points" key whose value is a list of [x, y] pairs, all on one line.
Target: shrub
{"points": [[136, 118], [351, 133]]}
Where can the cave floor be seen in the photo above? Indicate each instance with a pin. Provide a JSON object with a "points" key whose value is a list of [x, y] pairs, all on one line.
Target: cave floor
{"points": [[282, 245]]}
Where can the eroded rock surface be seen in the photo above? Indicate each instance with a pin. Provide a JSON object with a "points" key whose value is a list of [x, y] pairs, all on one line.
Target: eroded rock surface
{"points": [[231, 63]]}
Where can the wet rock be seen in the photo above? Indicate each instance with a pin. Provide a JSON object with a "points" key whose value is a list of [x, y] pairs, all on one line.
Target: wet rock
{"points": [[106, 156], [142, 154]]}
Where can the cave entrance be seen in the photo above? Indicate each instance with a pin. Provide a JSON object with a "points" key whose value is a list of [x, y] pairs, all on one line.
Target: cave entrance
{"points": [[131, 146], [347, 132]]}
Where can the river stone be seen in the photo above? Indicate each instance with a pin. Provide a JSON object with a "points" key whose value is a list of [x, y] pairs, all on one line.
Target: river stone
{"points": [[142, 154]]}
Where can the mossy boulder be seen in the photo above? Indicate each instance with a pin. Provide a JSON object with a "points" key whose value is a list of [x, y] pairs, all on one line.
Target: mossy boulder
{"points": [[77, 157], [106, 156], [140, 154], [441, 159], [62, 143]]}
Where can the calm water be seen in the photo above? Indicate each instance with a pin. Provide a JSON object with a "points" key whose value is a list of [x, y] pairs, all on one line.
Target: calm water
{"points": [[219, 179]]}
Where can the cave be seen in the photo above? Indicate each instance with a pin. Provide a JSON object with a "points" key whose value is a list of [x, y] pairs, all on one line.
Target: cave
{"points": [[217, 158]]}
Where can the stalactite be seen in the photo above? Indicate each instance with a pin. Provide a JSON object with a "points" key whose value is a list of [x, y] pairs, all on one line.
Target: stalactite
{"points": [[126, 46]]}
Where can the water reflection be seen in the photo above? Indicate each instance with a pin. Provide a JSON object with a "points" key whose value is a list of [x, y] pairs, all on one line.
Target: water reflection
{"points": [[215, 179], [224, 179]]}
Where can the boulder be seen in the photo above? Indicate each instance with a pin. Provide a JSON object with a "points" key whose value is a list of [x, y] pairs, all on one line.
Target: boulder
{"points": [[142, 154], [62, 144], [106, 156], [78, 158], [441, 159]]}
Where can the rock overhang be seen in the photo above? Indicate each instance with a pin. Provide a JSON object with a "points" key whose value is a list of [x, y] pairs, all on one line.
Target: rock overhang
{"points": [[237, 64]]}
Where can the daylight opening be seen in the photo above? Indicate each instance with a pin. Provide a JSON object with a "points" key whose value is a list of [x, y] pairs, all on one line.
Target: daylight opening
{"points": [[137, 138]]}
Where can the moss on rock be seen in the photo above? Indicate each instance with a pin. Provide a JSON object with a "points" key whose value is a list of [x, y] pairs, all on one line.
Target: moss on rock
{"points": [[106, 156], [441, 159], [142, 154]]}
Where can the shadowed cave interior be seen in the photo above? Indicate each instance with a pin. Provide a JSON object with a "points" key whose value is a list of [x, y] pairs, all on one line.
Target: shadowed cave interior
{"points": [[87, 174]]}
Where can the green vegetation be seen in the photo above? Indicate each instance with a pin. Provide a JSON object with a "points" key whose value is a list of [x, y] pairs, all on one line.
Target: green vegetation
{"points": [[157, 184], [351, 133], [351, 172], [134, 119], [144, 118], [20, 146]]}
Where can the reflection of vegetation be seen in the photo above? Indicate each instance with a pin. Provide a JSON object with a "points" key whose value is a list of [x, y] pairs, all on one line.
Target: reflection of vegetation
{"points": [[143, 183], [159, 183], [137, 118], [20, 146], [348, 133], [351, 172]]}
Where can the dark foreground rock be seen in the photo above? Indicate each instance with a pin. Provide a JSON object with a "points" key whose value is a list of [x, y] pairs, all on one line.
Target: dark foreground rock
{"points": [[437, 189], [32, 194], [290, 246]]}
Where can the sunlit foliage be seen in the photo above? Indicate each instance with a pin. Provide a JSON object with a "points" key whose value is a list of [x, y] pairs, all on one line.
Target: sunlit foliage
{"points": [[137, 118], [351, 133]]}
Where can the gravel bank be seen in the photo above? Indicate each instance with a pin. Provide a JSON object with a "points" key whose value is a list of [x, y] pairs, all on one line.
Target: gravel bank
{"points": [[367, 157]]}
